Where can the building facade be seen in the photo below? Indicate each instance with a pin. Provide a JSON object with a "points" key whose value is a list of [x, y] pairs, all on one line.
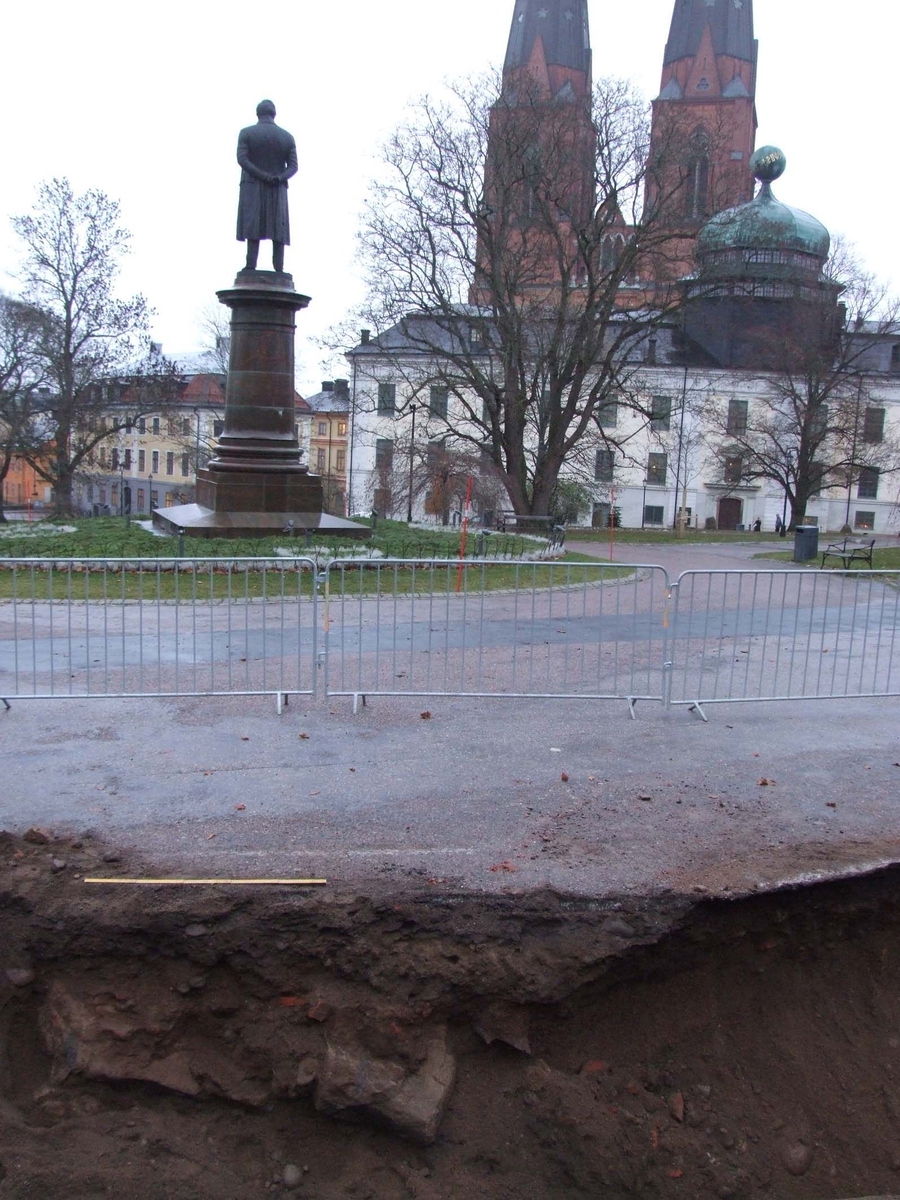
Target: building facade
{"points": [[704, 394]]}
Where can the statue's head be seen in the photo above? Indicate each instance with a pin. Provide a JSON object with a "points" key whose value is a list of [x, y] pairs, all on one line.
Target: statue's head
{"points": [[265, 108]]}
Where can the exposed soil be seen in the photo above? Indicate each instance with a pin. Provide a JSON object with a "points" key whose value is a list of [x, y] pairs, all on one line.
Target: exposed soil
{"points": [[179, 1044]]}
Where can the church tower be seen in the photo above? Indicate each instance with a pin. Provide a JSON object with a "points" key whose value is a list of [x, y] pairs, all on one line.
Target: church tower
{"points": [[540, 170], [704, 119]]}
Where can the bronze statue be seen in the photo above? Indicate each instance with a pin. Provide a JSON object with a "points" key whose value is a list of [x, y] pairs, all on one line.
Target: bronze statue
{"points": [[267, 155]]}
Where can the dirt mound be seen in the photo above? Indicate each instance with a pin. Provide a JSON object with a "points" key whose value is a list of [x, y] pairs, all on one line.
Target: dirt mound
{"points": [[183, 1044]]}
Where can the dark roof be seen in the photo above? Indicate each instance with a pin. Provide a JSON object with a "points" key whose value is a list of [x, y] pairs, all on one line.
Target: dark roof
{"points": [[561, 24], [328, 402], [730, 22]]}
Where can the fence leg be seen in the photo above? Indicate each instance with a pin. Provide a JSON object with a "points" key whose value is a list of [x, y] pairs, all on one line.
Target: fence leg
{"points": [[632, 705], [359, 700], [697, 708], [6, 704], [280, 701]]}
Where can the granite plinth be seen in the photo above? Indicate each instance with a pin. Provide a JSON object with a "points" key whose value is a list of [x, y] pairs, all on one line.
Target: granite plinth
{"points": [[276, 491], [195, 520]]}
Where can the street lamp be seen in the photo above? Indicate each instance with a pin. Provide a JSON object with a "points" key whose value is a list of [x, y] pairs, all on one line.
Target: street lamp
{"points": [[412, 449], [150, 495]]}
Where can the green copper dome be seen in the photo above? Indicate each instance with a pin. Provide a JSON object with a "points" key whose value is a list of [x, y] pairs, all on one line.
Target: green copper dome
{"points": [[765, 224]]}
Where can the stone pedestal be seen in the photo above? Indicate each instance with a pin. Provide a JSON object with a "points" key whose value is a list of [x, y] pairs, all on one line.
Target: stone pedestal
{"points": [[256, 484]]}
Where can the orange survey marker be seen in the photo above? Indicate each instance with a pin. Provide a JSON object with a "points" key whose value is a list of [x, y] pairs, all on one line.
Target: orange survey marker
{"points": [[206, 882]]}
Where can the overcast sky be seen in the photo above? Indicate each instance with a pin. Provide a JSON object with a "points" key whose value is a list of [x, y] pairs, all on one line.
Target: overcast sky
{"points": [[145, 103]]}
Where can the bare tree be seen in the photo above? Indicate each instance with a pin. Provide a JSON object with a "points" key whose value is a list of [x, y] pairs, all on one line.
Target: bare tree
{"points": [[816, 424], [95, 346], [523, 287], [22, 330]]}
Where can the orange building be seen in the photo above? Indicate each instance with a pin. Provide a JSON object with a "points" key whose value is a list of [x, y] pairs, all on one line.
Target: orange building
{"points": [[24, 488]]}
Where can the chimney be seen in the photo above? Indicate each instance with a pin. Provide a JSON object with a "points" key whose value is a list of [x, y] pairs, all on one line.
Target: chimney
{"points": [[342, 388], [327, 385], [364, 336]]}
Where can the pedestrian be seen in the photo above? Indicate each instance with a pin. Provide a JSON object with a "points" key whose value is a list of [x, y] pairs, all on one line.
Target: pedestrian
{"points": [[777, 523], [757, 525]]}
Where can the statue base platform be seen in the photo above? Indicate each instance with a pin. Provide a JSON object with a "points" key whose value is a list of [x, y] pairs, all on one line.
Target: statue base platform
{"points": [[195, 520]]}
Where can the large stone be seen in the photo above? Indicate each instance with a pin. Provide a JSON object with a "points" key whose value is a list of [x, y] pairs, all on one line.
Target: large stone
{"points": [[409, 1098]]}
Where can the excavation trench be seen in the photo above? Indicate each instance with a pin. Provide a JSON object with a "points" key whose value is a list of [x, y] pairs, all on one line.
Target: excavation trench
{"points": [[195, 1043]]}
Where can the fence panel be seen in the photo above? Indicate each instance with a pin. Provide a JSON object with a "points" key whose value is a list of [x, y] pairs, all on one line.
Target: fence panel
{"points": [[784, 635], [157, 627], [495, 628]]}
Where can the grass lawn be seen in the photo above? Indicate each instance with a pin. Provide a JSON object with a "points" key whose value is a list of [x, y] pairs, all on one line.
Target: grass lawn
{"points": [[202, 582], [885, 558]]}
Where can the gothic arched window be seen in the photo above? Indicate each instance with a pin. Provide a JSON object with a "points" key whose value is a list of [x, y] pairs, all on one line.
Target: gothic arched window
{"points": [[697, 178]]}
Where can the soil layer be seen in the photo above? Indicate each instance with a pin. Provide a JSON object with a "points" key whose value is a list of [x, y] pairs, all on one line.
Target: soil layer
{"points": [[175, 1044]]}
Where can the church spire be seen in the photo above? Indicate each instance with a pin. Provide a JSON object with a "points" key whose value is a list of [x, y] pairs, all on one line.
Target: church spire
{"points": [[551, 37], [730, 23]]}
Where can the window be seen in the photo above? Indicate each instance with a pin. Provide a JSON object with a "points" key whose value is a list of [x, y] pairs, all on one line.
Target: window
{"points": [[186, 426], [384, 454], [864, 520], [142, 460], [140, 499], [387, 398], [170, 499], [154, 462], [102, 492], [608, 415], [170, 463], [697, 186], [341, 462], [114, 495], [154, 500], [873, 426], [101, 456], [654, 514], [90, 492], [128, 426], [156, 425], [734, 468], [127, 460], [142, 425], [895, 358], [661, 413], [170, 427], [738, 411], [218, 428], [818, 424], [342, 428], [185, 465], [320, 460], [114, 461], [868, 483], [657, 468], [604, 466], [323, 429], [439, 401]]}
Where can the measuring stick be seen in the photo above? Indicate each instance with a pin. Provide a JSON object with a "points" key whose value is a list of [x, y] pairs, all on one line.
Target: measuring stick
{"points": [[197, 882]]}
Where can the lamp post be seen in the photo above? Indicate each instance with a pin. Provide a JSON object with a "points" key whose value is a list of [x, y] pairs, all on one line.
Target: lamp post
{"points": [[412, 450], [150, 495]]}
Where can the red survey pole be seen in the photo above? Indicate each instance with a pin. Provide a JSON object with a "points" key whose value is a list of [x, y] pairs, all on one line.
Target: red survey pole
{"points": [[465, 530], [612, 522]]}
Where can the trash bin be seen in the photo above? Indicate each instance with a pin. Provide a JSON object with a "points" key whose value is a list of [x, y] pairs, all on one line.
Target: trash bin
{"points": [[806, 543]]}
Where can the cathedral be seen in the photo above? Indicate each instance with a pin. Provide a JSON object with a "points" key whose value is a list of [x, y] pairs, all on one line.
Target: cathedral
{"points": [[733, 320]]}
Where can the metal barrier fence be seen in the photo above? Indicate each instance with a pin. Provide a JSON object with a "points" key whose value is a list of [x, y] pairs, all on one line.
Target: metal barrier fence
{"points": [[495, 629], [166, 627], [741, 636]]}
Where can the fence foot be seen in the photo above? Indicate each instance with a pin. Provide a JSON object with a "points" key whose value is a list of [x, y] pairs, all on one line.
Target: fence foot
{"points": [[359, 700], [280, 702], [632, 705], [698, 709], [6, 704]]}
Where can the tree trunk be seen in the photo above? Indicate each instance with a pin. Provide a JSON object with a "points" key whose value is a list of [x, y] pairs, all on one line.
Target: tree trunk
{"points": [[62, 493]]}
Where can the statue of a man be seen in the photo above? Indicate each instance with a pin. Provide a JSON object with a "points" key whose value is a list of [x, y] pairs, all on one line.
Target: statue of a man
{"points": [[267, 155]]}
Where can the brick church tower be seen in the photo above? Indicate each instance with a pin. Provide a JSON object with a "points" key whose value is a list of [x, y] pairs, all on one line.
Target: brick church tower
{"points": [[540, 171], [704, 119]]}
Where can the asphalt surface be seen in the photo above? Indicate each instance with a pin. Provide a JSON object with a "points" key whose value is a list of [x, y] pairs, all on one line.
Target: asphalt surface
{"points": [[480, 794]]}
